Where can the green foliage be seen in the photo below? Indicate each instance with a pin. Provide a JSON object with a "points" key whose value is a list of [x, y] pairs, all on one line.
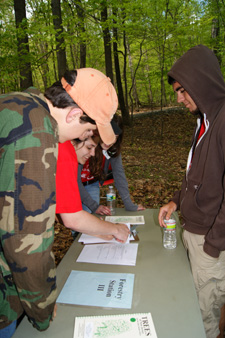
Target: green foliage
{"points": [[152, 34], [8, 58]]}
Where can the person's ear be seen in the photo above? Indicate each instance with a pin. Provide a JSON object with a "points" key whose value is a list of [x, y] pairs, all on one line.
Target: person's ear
{"points": [[74, 114]]}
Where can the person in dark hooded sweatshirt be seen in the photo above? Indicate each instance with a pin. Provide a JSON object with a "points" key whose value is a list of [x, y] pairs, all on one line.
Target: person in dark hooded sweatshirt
{"points": [[197, 79]]}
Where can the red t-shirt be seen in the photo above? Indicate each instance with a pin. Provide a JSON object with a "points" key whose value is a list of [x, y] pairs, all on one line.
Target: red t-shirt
{"points": [[201, 132], [202, 129], [67, 191]]}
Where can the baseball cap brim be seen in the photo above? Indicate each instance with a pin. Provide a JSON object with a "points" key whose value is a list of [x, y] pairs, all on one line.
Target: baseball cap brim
{"points": [[106, 133]]}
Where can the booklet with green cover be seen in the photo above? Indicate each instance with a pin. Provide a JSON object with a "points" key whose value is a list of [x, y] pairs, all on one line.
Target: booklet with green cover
{"points": [[124, 326]]}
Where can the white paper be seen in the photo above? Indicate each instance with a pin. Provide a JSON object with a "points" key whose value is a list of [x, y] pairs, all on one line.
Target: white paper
{"points": [[115, 253], [126, 219], [88, 239]]}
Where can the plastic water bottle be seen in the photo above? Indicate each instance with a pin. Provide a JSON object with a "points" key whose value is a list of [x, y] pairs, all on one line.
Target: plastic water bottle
{"points": [[169, 234], [111, 199]]}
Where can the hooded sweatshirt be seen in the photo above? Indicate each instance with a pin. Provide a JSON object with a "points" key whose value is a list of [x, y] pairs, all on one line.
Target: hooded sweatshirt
{"points": [[201, 198]]}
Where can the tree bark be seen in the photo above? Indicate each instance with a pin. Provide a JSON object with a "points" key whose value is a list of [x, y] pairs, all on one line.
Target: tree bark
{"points": [[60, 49], [83, 47], [125, 59], [23, 45], [215, 32], [135, 94], [107, 41], [123, 108], [149, 86]]}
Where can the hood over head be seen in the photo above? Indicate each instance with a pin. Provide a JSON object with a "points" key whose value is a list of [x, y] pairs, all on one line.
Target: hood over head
{"points": [[199, 73]]}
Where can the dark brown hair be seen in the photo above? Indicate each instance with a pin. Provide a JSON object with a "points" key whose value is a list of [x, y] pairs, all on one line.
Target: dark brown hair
{"points": [[115, 150], [57, 95], [95, 163], [171, 80]]}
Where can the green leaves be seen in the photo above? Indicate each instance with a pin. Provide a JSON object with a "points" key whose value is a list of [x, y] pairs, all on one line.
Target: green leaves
{"points": [[151, 35]]}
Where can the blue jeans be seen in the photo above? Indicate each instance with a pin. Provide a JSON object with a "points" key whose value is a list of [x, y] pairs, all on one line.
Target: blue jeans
{"points": [[9, 330], [94, 191]]}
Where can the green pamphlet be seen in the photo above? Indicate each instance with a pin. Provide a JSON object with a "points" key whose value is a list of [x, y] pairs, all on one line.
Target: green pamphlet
{"points": [[124, 326]]}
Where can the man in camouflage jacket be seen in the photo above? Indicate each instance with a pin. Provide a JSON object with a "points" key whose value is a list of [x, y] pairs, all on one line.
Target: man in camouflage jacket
{"points": [[28, 152], [31, 126]]}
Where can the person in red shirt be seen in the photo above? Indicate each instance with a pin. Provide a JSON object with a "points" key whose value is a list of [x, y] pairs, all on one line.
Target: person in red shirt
{"points": [[100, 105], [68, 196]]}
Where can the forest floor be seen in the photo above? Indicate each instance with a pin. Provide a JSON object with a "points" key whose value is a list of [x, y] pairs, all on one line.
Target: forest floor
{"points": [[154, 153]]}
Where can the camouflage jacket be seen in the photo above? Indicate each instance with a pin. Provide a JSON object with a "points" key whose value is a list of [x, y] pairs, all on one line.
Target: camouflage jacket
{"points": [[28, 154]]}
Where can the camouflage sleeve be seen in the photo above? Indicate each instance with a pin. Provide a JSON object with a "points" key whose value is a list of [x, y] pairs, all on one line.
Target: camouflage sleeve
{"points": [[27, 212]]}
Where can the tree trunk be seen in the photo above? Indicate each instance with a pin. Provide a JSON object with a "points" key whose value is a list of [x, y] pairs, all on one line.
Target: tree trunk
{"points": [[107, 41], [148, 80], [135, 95], [23, 45], [60, 49], [123, 108], [44, 68], [83, 47], [125, 59], [215, 35]]}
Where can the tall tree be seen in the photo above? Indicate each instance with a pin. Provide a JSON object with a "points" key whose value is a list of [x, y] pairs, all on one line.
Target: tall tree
{"points": [[81, 25], [123, 108], [135, 94], [215, 37], [40, 26], [107, 40], [217, 8], [60, 43], [23, 44]]}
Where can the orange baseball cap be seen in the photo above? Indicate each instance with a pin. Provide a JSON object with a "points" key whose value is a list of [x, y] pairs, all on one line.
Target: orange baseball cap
{"points": [[94, 93]]}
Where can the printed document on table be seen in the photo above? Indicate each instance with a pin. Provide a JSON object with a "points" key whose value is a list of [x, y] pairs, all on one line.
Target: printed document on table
{"points": [[126, 219], [118, 254], [123, 326], [87, 239], [114, 290]]}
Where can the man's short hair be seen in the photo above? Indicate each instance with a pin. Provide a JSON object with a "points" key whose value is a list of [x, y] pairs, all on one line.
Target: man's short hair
{"points": [[57, 95], [171, 80], [86, 119]]}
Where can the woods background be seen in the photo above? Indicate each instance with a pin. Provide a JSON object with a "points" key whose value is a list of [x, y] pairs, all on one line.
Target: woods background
{"points": [[134, 42]]}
